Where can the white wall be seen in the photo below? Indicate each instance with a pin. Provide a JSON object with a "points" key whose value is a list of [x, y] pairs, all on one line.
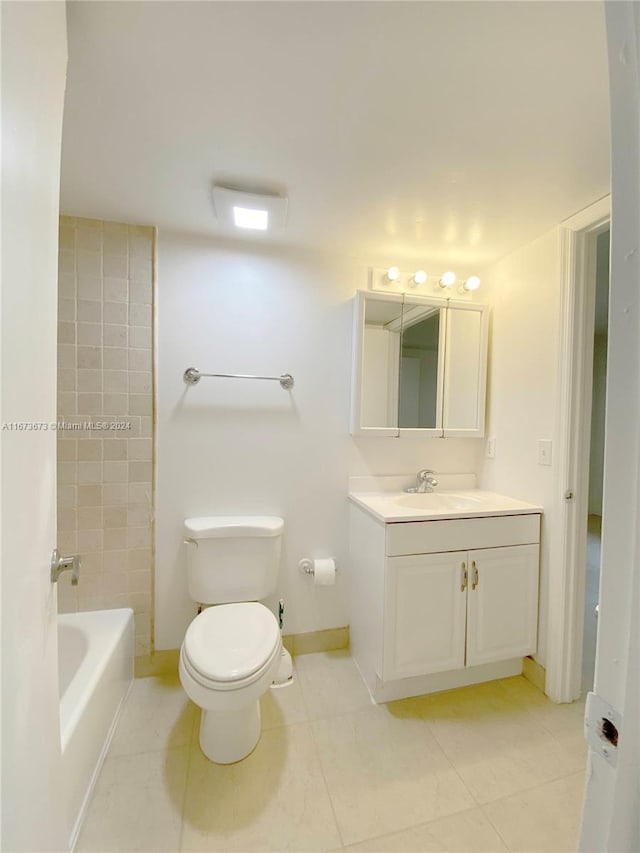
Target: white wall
{"points": [[229, 447], [34, 51], [523, 290]]}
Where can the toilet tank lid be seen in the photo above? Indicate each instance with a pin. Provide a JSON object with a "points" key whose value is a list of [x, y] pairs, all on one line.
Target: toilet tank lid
{"points": [[233, 526]]}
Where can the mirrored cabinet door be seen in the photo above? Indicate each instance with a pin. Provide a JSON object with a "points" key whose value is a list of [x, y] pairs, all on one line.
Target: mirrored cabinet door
{"points": [[379, 355], [419, 366], [465, 370], [421, 360]]}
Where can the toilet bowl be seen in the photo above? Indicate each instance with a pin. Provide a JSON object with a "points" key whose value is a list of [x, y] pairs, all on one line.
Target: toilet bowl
{"points": [[228, 659], [231, 650]]}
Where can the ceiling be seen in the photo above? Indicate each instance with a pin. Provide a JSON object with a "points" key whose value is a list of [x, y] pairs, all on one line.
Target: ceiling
{"points": [[439, 131]]}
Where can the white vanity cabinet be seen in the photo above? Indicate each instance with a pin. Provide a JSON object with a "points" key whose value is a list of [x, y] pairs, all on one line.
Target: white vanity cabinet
{"points": [[446, 602]]}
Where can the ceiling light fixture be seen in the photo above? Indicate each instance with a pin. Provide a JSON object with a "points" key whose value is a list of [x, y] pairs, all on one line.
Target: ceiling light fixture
{"points": [[249, 217], [472, 283], [236, 208], [447, 279]]}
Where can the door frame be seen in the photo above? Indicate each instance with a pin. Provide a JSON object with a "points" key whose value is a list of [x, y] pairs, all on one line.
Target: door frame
{"points": [[573, 438]]}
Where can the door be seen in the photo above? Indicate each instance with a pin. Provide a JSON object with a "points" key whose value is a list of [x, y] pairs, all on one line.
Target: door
{"points": [[425, 612], [33, 70], [502, 609]]}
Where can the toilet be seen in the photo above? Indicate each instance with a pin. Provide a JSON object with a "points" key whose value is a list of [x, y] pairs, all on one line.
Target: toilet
{"points": [[231, 650]]}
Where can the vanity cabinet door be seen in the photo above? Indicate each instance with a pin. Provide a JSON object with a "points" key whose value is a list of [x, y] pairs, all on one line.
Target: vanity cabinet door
{"points": [[502, 615], [424, 616]]}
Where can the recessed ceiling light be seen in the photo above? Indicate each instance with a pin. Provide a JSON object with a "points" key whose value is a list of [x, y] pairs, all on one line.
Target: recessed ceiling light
{"points": [[248, 217], [236, 208]]}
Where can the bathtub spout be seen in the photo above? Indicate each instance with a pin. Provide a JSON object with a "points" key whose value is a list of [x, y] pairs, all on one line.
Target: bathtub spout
{"points": [[62, 564]]}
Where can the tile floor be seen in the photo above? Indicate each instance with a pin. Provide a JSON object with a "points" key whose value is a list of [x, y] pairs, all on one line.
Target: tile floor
{"points": [[493, 767]]}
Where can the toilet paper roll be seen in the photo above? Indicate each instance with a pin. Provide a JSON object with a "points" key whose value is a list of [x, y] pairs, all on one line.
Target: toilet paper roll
{"points": [[324, 572]]}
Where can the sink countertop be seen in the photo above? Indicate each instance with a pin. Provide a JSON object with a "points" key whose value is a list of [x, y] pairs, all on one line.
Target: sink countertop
{"points": [[392, 507]]}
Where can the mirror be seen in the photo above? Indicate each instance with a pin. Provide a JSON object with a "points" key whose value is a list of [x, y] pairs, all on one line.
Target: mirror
{"points": [[380, 364], [419, 366]]}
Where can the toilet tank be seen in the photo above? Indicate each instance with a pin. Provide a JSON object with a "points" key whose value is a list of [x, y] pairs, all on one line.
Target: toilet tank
{"points": [[232, 558]]}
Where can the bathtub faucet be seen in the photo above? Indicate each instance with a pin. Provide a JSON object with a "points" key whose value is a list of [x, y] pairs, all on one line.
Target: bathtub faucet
{"points": [[62, 564]]}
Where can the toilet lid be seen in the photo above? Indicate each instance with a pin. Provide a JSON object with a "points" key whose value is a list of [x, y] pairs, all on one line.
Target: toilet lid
{"points": [[230, 642]]}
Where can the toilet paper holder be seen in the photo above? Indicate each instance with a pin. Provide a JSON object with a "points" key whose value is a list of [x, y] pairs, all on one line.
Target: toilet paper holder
{"points": [[306, 566]]}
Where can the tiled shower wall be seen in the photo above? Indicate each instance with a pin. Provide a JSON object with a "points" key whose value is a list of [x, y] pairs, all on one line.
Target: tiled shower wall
{"points": [[105, 415]]}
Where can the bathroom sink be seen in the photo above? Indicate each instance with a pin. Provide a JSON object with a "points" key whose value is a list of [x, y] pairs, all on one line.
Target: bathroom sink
{"points": [[438, 502], [391, 506]]}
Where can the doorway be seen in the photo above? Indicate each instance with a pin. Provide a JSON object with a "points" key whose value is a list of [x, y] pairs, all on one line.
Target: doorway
{"points": [[596, 460]]}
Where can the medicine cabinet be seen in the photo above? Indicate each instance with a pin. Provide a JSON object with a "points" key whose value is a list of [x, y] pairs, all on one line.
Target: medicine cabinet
{"points": [[419, 366]]}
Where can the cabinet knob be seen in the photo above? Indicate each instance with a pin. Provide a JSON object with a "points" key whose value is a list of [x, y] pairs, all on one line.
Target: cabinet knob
{"points": [[475, 578]]}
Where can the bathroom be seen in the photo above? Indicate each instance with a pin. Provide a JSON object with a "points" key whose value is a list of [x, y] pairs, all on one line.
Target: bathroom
{"points": [[151, 282]]}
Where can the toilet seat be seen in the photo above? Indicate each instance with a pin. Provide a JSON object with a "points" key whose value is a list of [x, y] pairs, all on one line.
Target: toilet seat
{"points": [[230, 646]]}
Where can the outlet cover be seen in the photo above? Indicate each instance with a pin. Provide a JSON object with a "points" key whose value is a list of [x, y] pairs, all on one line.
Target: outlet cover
{"points": [[491, 448], [544, 451]]}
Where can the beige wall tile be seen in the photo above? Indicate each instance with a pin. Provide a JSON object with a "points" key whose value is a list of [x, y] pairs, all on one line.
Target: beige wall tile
{"points": [[90, 358], [66, 333], [140, 472], [115, 494], [115, 359], [115, 539], [89, 334], [66, 310], [88, 263], [140, 359], [89, 495], [115, 449], [115, 380], [115, 516], [89, 287], [90, 450], [115, 266], [89, 404], [140, 336], [90, 518], [103, 498], [116, 404], [115, 472], [114, 336], [140, 448], [115, 313], [66, 356], [89, 380], [116, 289], [140, 292]]}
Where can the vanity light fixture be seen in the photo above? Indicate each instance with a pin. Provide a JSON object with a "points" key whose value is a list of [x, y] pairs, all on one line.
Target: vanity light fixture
{"points": [[447, 279], [392, 274], [472, 283], [236, 208], [419, 277]]}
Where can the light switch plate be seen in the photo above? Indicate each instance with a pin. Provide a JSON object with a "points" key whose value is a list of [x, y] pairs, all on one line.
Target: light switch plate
{"points": [[491, 448], [544, 451]]}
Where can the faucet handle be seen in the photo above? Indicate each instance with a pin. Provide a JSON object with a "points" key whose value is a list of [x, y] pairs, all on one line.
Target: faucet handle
{"points": [[425, 474]]}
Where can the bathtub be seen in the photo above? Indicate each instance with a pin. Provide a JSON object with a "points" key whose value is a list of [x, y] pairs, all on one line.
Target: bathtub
{"points": [[95, 651]]}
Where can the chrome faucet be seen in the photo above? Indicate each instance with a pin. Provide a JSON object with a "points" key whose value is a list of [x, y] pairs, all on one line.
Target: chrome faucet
{"points": [[425, 482]]}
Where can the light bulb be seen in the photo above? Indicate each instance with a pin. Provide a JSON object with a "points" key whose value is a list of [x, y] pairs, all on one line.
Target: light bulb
{"points": [[419, 277], [472, 283], [393, 274], [447, 279]]}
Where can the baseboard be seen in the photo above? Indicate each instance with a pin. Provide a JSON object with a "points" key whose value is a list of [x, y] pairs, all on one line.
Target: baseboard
{"points": [[535, 673], [331, 639], [159, 663], [328, 640]]}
